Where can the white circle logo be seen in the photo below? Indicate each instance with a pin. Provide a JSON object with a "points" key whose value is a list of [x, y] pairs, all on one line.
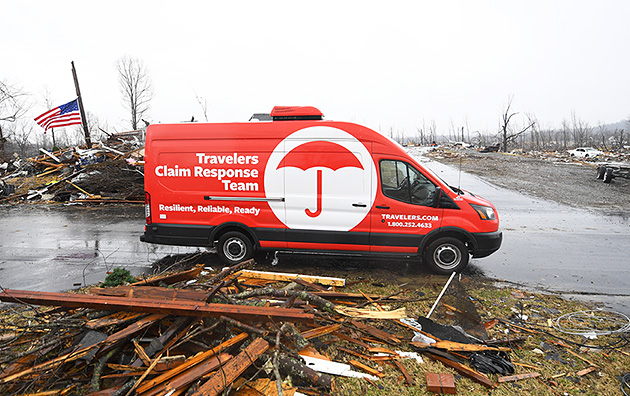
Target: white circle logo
{"points": [[327, 179]]}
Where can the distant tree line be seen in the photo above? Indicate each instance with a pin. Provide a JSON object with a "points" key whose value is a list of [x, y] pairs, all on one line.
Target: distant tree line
{"points": [[524, 132]]}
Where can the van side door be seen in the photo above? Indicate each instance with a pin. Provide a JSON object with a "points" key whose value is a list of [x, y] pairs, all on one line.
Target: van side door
{"points": [[403, 211]]}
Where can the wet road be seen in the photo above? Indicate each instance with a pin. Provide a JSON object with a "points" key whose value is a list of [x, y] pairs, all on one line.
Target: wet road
{"points": [[59, 248], [546, 246], [580, 253]]}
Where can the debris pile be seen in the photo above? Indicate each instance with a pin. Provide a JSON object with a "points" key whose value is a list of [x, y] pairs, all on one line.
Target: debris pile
{"points": [[244, 332], [110, 172]]}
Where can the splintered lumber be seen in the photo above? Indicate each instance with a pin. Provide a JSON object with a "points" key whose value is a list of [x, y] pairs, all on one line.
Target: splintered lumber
{"points": [[310, 285], [582, 358], [408, 378], [260, 387], [320, 331], [170, 279], [282, 276], [353, 353], [179, 307], [369, 314], [586, 371], [350, 339], [77, 354], [366, 368], [463, 370], [373, 331], [113, 319], [518, 377], [187, 377], [232, 369], [193, 361]]}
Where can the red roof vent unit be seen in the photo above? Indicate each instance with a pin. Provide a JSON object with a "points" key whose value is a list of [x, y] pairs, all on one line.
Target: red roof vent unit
{"points": [[292, 113]]}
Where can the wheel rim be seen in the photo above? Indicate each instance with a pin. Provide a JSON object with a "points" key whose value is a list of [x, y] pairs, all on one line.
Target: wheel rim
{"points": [[447, 256], [234, 249]]}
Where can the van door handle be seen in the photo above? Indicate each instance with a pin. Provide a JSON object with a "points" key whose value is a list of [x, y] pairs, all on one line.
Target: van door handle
{"points": [[359, 205], [382, 207]]}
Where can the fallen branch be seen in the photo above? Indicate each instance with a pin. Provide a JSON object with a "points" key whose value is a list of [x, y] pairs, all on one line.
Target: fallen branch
{"points": [[310, 298]]}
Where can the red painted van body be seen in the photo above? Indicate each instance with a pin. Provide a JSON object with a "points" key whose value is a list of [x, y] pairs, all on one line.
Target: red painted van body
{"points": [[299, 183]]}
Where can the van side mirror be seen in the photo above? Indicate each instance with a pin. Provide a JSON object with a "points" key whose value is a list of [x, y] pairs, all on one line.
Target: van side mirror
{"points": [[437, 197]]}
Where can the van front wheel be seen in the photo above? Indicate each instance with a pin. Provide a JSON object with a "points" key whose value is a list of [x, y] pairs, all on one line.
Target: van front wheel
{"points": [[445, 255], [234, 247]]}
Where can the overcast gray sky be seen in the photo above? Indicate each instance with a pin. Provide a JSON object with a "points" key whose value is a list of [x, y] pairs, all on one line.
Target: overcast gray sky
{"points": [[382, 64]]}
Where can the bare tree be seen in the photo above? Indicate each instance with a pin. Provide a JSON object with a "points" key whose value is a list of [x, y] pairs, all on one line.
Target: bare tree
{"points": [[12, 107], [135, 86], [203, 103], [507, 132], [21, 137], [579, 129]]}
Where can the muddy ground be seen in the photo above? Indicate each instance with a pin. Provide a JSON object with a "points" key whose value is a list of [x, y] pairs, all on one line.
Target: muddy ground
{"points": [[569, 182]]}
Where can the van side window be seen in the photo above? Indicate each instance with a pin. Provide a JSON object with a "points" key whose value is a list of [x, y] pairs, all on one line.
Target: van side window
{"points": [[403, 182]]}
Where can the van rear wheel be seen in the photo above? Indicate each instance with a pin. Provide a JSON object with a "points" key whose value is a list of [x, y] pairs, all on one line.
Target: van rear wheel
{"points": [[445, 255], [234, 247]]}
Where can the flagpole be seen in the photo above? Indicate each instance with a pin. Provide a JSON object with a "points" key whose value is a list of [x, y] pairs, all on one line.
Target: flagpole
{"points": [[88, 141]]}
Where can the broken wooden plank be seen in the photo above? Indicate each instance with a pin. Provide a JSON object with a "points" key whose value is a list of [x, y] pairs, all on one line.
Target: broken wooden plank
{"points": [[463, 370], [518, 377], [353, 353], [366, 368], [373, 331], [320, 331], [192, 362], [283, 276], [141, 353], [408, 378], [185, 378], [232, 369], [310, 285], [369, 314], [180, 307], [173, 278], [113, 319], [350, 339], [586, 371], [77, 354], [582, 358]]}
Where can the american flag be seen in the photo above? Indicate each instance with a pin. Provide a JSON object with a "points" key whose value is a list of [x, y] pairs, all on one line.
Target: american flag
{"points": [[64, 115]]}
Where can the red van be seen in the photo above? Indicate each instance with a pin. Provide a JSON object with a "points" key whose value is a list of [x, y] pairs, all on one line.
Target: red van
{"points": [[300, 183]]}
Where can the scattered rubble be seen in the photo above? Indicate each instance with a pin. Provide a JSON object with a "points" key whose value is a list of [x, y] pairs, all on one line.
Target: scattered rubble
{"points": [[243, 332], [109, 172]]}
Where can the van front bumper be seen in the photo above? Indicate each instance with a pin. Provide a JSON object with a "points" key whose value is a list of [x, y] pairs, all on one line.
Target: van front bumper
{"points": [[486, 243]]}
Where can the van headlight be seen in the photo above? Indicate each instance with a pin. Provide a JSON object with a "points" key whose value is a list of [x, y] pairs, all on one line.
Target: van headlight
{"points": [[484, 212]]}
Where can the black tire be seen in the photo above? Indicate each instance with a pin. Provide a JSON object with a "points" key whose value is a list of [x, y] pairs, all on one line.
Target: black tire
{"points": [[608, 176], [600, 172], [445, 255], [234, 247]]}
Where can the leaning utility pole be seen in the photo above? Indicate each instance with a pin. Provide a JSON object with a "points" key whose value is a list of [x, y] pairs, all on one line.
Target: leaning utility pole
{"points": [[88, 141]]}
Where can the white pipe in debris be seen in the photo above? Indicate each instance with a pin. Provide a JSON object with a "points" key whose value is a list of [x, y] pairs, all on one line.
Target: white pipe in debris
{"points": [[441, 294]]}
